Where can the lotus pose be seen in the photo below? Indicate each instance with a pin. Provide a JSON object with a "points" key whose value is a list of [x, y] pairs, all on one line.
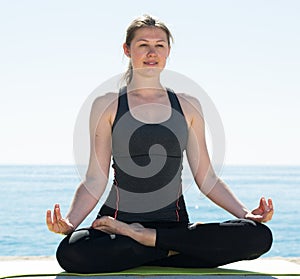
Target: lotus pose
{"points": [[145, 129]]}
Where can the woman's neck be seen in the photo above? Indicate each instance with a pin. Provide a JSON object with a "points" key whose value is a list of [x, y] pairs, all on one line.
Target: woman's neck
{"points": [[145, 85]]}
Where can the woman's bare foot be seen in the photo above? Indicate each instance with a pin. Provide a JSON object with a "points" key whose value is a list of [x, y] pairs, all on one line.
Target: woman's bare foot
{"points": [[110, 225], [135, 231]]}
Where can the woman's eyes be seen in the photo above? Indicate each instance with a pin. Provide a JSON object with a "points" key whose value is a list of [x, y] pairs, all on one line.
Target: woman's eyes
{"points": [[145, 45]]}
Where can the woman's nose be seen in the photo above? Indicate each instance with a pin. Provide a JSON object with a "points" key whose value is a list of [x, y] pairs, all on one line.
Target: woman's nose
{"points": [[152, 52]]}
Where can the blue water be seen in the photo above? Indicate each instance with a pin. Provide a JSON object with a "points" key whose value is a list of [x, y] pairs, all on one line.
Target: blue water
{"points": [[28, 191]]}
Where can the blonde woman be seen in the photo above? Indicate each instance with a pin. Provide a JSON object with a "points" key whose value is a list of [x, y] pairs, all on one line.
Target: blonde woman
{"points": [[144, 220]]}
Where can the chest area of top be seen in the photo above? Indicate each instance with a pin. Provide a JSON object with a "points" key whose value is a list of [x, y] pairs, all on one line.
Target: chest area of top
{"points": [[144, 122], [149, 109]]}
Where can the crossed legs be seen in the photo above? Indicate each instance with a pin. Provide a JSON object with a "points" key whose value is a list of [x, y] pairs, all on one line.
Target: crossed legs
{"points": [[205, 245]]}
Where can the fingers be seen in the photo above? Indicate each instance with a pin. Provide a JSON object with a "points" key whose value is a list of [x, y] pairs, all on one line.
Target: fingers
{"points": [[264, 212], [271, 204], [56, 213], [262, 203], [53, 221], [268, 209], [266, 206], [49, 219]]}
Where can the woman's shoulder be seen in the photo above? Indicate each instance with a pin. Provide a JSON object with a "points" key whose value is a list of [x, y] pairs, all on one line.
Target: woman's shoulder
{"points": [[106, 99], [189, 104], [106, 106], [106, 102]]}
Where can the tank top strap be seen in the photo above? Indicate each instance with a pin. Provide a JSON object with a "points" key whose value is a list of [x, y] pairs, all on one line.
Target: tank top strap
{"points": [[122, 104], [174, 101]]}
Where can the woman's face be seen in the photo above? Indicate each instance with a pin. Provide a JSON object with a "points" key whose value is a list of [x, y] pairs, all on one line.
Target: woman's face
{"points": [[149, 49]]}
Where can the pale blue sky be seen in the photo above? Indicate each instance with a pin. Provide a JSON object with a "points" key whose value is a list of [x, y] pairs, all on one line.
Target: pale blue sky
{"points": [[244, 54]]}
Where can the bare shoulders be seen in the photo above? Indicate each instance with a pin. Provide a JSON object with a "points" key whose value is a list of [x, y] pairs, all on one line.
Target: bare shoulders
{"points": [[105, 100], [106, 106], [190, 105]]}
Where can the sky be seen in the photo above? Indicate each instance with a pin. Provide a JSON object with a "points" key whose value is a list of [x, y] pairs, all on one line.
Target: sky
{"points": [[244, 54]]}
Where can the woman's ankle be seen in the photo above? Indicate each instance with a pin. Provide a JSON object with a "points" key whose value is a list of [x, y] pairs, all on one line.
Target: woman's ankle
{"points": [[144, 236]]}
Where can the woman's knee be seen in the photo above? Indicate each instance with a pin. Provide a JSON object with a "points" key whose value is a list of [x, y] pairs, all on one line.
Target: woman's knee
{"points": [[88, 251], [261, 237], [258, 237], [69, 253], [64, 255], [266, 237]]}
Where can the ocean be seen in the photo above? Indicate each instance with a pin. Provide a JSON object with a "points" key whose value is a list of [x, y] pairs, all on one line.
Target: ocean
{"points": [[27, 191]]}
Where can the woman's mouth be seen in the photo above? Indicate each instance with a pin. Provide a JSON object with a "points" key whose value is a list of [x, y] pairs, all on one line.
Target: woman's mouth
{"points": [[150, 63]]}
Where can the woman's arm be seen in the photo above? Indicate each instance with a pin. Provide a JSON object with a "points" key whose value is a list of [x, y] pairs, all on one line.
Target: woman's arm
{"points": [[206, 179], [93, 185]]}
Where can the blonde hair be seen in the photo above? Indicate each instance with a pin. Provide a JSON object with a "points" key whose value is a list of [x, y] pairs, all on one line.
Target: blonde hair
{"points": [[141, 22]]}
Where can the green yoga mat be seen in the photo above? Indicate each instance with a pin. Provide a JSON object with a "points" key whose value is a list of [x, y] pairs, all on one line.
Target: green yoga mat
{"points": [[158, 271], [256, 268]]}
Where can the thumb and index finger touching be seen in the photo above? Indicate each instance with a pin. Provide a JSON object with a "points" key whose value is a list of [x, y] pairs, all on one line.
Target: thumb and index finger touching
{"points": [[56, 223]]}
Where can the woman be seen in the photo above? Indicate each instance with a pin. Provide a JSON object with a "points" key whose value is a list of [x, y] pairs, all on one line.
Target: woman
{"points": [[144, 219]]}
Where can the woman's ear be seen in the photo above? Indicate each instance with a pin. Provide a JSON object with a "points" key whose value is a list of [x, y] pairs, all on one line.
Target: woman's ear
{"points": [[126, 50]]}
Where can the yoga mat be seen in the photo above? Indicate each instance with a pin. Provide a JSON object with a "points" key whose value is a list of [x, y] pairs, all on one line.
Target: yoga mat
{"points": [[49, 268]]}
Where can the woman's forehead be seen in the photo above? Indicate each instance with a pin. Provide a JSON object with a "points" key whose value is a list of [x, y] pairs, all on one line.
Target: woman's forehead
{"points": [[150, 34]]}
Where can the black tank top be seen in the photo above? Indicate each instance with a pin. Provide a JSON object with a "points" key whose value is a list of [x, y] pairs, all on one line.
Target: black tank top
{"points": [[147, 163]]}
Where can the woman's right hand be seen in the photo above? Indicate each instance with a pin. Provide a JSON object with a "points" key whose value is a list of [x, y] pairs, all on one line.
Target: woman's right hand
{"points": [[57, 224]]}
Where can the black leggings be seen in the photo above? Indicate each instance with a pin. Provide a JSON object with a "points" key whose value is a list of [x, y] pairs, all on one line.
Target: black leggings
{"points": [[206, 245]]}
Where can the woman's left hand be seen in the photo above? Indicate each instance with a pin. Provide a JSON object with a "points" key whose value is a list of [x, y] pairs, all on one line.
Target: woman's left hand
{"points": [[263, 213]]}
